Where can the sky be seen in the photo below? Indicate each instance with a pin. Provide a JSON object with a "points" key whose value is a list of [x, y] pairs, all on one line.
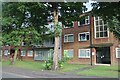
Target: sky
{"points": [[88, 5]]}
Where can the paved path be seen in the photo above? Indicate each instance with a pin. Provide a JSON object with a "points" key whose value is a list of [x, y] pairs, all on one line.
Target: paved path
{"points": [[15, 72]]}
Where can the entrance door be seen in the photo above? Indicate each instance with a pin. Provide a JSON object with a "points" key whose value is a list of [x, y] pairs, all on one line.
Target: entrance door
{"points": [[103, 55]]}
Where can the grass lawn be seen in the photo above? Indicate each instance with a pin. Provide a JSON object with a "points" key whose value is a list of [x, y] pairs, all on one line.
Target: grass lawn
{"points": [[71, 67], [25, 64], [103, 71], [36, 65]]}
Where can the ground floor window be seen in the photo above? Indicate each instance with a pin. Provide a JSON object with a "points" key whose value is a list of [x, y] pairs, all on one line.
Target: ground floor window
{"points": [[30, 53], [6, 52], [84, 53], [69, 53], [117, 52], [23, 52], [41, 55]]}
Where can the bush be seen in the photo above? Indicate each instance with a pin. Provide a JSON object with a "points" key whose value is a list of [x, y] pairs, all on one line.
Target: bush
{"points": [[48, 64]]}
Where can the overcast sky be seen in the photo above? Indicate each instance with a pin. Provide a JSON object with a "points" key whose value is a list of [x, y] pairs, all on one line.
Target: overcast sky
{"points": [[88, 5]]}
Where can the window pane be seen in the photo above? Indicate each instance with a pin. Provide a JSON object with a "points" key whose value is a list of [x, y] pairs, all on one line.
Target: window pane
{"points": [[97, 34], [70, 38], [70, 53], [23, 53], [30, 53], [101, 34], [97, 23], [101, 28], [101, 22], [82, 53], [6, 52], [96, 18], [105, 27], [105, 34], [87, 53], [82, 37], [118, 51], [82, 22], [97, 28], [87, 36], [65, 38]]}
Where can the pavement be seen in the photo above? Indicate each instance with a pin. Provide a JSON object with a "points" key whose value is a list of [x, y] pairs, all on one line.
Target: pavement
{"points": [[15, 72]]}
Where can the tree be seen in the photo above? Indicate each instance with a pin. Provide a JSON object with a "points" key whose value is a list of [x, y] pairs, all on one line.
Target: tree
{"points": [[68, 12], [110, 12], [22, 22], [37, 14]]}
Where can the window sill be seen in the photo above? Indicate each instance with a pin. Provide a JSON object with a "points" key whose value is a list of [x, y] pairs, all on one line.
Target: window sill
{"points": [[101, 37], [83, 25], [84, 41], [84, 57], [68, 42]]}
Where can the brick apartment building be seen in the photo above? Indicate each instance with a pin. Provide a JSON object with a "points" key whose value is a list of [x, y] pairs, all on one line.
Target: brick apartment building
{"points": [[76, 42], [37, 52], [79, 44]]}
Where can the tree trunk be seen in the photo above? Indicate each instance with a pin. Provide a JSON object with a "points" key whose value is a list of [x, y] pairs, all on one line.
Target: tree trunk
{"points": [[56, 47], [15, 56]]}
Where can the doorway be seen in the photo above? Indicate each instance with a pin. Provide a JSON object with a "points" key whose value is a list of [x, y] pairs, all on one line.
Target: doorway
{"points": [[103, 55]]}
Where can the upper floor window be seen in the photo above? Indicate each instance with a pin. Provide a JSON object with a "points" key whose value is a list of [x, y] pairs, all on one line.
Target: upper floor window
{"points": [[101, 29], [117, 52], [84, 53], [85, 21], [83, 36], [69, 38], [69, 25]]}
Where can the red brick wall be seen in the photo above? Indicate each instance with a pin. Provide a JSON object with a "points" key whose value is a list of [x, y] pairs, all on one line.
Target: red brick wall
{"points": [[78, 44]]}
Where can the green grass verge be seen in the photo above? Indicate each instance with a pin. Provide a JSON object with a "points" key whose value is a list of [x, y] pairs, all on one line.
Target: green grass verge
{"points": [[25, 64], [101, 71], [71, 67]]}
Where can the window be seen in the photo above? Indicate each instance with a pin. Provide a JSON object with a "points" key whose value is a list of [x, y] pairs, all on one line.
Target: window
{"points": [[84, 53], [23, 52], [69, 53], [30, 53], [69, 38], [6, 52], [117, 52], [83, 36], [68, 25], [85, 21], [41, 55], [101, 29]]}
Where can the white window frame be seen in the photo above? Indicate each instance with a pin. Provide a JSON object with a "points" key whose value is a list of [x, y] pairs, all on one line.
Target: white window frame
{"points": [[70, 50], [67, 37], [83, 56], [86, 18], [99, 25], [69, 27], [6, 52], [30, 51], [22, 54], [85, 36], [117, 49]]}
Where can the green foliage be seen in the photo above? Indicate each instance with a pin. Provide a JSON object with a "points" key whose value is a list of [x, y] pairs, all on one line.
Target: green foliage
{"points": [[48, 64], [58, 30], [16, 37], [22, 18]]}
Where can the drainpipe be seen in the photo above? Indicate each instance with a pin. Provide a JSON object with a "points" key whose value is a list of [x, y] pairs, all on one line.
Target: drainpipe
{"points": [[90, 40]]}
